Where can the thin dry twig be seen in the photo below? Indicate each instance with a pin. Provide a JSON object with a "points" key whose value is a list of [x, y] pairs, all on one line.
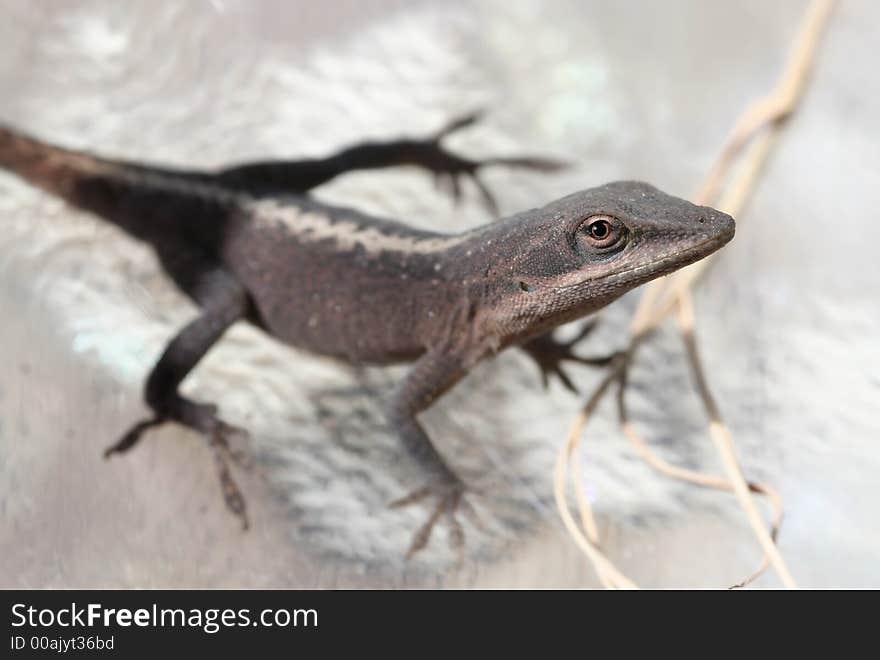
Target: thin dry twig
{"points": [[659, 299], [588, 520], [697, 478], [724, 442], [609, 575], [758, 125], [777, 106]]}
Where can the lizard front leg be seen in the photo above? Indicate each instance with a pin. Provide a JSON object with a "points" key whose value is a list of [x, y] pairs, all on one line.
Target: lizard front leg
{"points": [[550, 353], [224, 302], [432, 375]]}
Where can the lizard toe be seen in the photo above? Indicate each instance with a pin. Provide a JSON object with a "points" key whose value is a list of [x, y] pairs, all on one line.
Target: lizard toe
{"points": [[450, 500]]}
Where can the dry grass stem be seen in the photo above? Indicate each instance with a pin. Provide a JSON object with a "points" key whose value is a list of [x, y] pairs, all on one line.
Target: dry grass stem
{"points": [[756, 130]]}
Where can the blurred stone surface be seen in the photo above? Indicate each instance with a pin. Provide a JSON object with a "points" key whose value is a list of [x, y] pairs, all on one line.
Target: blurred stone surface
{"points": [[788, 318]]}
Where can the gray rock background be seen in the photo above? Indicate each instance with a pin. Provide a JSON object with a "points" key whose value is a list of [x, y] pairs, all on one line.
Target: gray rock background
{"points": [[788, 318]]}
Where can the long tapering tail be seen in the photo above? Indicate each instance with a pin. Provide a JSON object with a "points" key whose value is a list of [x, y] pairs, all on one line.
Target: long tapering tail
{"points": [[54, 169], [147, 202]]}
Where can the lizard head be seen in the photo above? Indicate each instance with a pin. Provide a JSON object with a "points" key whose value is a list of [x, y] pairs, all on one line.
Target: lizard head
{"points": [[579, 253]]}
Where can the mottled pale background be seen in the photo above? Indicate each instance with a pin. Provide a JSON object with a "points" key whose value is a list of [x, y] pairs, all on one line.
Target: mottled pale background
{"points": [[789, 317]]}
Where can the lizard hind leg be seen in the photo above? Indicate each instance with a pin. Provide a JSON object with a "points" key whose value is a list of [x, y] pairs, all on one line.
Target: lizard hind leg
{"points": [[449, 168], [427, 153], [217, 433], [224, 302]]}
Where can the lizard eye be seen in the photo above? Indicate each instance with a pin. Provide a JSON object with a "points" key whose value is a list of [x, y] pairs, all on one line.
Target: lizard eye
{"points": [[599, 230], [602, 231]]}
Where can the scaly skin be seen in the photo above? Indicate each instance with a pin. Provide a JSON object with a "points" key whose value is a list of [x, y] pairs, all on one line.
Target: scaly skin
{"points": [[248, 243]]}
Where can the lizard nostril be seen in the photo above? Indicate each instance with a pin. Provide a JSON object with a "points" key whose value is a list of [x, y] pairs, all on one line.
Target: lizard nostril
{"points": [[524, 286], [702, 219]]}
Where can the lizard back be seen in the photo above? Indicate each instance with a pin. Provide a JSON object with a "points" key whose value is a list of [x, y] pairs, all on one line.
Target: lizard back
{"points": [[327, 279]]}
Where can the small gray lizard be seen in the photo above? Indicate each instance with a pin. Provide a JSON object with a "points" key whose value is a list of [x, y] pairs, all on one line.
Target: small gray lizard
{"points": [[247, 243]]}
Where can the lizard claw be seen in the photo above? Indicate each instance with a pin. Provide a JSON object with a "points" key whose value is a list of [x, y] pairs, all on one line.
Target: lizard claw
{"points": [[132, 436], [232, 495], [449, 169], [217, 433], [459, 123], [550, 354], [450, 500], [221, 436], [218, 437]]}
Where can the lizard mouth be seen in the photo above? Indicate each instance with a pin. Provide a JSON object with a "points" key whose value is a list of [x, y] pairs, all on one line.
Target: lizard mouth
{"points": [[662, 266]]}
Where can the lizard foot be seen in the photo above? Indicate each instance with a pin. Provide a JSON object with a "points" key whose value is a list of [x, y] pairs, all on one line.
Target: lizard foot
{"points": [[449, 169], [217, 434], [550, 354], [450, 499], [218, 440]]}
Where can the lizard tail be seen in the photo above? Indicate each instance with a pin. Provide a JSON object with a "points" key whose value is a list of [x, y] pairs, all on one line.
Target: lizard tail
{"points": [[54, 169], [149, 203]]}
